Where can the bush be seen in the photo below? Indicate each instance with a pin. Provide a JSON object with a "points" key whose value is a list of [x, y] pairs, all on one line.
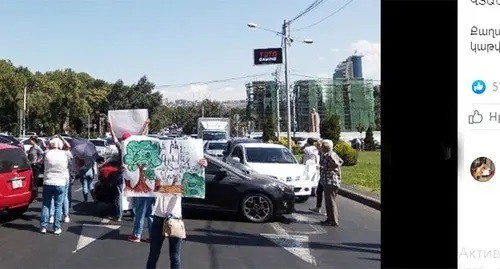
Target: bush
{"points": [[296, 150], [268, 132], [346, 153], [330, 128], [369, 143], [284, 141]]}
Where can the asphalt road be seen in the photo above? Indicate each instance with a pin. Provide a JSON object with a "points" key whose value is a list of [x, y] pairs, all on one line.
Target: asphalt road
{"points": [[91, 240]]}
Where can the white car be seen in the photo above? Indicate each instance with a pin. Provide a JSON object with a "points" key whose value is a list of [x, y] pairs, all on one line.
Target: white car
{"points": [[273, 160], [215, 148], [102, 147]]}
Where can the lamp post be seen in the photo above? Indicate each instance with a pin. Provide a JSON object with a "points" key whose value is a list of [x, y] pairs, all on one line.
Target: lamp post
{"points": [[287, 40]]}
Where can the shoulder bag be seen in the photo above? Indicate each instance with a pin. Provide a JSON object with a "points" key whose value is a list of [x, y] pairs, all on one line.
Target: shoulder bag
{"points": [[174, 227]]}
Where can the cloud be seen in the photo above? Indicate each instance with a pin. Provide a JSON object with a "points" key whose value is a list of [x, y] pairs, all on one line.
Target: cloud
{"points": [[334, 50], [321, 58], [199, 91], [203, 91], [371, 59]]}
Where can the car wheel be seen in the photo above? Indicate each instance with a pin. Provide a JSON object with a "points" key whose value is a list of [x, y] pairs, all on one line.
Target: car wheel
{"points": [[302, 199], [256, 207]]}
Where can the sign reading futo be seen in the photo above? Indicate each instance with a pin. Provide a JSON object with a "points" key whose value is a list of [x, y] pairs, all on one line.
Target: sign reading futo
{"points": [[267, 56]]}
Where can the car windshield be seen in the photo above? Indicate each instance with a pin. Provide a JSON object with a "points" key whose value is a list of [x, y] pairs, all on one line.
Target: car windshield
{"points": [[98, 143], [270, 155], [214, 135], [217, 146], [110, 141]]}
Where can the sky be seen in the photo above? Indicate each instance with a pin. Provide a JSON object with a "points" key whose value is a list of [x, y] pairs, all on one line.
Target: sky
{"points": [[184, 41]]}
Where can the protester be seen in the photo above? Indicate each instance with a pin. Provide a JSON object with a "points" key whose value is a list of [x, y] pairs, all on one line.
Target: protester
{"points": [[35, 157], [319, 187], [143, 208], [166, 206], [90, 173], [56, 178], [330, 178], [310, 152], [119, 162], [73, 164]]}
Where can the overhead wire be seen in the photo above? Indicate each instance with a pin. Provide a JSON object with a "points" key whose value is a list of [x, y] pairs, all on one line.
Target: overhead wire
{"points": [[210, 81], [314, 5], [325, 18]]}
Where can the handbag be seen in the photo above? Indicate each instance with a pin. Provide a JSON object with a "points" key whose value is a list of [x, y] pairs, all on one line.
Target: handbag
{"points": [[174, 227]]}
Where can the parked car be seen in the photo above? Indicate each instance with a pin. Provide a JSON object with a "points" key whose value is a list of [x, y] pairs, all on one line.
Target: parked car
{"points": [[102, 147], [10, 140], [236, 141], [257, 198], [112, 146], [17, 187], [215, 148], [273, 160]]}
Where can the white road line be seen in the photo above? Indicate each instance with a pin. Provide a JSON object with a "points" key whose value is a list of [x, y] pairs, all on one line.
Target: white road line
{"points": [[298, 245], [305, 219], [92, 232], [77, 190]]}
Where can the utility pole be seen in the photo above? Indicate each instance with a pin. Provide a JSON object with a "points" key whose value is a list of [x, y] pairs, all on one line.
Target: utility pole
{"points": [[277, 105], [88, 126], [24, 113], [287, 90]]}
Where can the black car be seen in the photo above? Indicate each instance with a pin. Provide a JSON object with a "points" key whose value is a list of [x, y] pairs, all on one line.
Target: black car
{"points": [[257, 198], [235, 141], [10, 140]]}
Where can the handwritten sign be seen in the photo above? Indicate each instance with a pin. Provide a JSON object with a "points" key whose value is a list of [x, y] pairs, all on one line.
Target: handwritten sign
{"points": [[156, 167]]}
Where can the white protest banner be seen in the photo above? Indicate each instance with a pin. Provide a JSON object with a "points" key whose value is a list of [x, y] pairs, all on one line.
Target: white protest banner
{"points": [[129, 120], [156, 167]]}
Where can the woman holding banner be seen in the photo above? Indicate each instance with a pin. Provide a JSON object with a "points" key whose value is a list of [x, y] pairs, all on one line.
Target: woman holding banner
{"points": [[166, 207]]}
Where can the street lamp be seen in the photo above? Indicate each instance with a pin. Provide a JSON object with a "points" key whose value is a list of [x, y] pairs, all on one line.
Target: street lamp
{"points": [[287, 40]]}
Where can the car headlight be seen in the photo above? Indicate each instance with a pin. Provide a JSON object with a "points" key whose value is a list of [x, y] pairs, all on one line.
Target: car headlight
{"points": [[282, 187]]}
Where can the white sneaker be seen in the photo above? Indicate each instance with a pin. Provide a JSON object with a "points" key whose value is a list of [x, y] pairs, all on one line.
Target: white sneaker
{"points": [[58, 231], [51, 219], [43, 230], [66, 219]]}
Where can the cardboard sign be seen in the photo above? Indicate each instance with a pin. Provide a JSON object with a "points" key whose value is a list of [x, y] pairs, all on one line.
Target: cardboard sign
{"points": [[156, 167]]}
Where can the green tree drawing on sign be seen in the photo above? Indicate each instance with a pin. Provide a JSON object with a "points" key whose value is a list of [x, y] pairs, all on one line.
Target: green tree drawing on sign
{"points": [[145, 156]]}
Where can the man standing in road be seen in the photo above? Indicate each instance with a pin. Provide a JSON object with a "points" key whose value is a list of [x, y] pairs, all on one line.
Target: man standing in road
{"points": [[330, 178]]}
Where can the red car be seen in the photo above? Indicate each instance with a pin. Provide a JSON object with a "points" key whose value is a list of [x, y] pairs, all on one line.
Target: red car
{"points": [[17, 187]]}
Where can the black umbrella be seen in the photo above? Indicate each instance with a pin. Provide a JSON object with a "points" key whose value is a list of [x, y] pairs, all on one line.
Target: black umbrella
{"points": [[85, 151]]}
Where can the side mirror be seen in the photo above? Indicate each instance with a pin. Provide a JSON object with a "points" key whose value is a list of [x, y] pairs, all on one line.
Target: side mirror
{"points": [[236, 159]]}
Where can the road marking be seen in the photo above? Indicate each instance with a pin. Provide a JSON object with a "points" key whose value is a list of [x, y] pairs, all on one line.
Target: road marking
{"points": [[298, 245], [92, 232], [77, 190], [308, 220]]}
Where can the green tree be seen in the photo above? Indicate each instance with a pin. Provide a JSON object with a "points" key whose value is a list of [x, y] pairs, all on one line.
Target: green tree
{"points": [[145, 156], [377, 96], [360, 127], [330, 128], [369, 143], [268, 131]]}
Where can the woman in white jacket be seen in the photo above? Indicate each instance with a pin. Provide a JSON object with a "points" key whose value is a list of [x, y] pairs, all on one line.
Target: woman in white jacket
{"points": [[56, 178], [165, 206]]}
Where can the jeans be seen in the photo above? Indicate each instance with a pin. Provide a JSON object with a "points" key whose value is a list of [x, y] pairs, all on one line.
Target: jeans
{"points": [[143, 208], [52, 193], [65, 202], [119, 194], [86, 187], [157, 239]]}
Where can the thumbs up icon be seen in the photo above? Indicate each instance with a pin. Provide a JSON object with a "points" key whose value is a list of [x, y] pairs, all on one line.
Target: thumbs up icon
{"points": [[476, 118]]}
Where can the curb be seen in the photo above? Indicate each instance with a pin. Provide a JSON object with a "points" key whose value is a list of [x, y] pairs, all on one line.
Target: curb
{"points": [[368, 201]]}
